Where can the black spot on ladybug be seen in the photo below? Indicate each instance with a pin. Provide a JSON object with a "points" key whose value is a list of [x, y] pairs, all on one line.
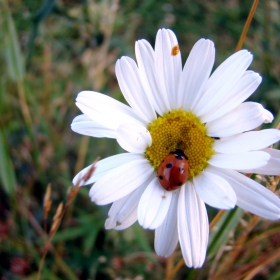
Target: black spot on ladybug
{"points": [[160, 177], [169, 165], [181, 170], [180, 184]]}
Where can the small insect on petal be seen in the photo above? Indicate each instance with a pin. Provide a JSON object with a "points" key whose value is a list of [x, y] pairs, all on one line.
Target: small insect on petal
{"points": [[175, 50], [174, 170]]}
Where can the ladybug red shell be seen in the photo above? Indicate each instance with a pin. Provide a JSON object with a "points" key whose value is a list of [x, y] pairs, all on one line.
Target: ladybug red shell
{"points": [[173, 171]]}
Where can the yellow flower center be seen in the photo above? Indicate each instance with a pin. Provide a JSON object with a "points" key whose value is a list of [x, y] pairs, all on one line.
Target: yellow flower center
{"points": [[180, 130]]}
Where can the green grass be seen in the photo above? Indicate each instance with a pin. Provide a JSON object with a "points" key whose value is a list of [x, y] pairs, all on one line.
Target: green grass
{"points": [[51, 50]]}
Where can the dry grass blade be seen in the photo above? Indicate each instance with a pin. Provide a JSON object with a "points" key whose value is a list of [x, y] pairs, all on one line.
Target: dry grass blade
{"points": [[56, 219], [228, 261], [247, 25], [60, 211], [56, 222], [262, 265], [216, 218], [175, 269], [47, 205], [89, 173], [259, 238]]}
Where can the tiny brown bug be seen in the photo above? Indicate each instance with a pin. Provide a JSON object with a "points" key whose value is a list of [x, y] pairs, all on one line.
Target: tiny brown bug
{"points": [[175, 50]]}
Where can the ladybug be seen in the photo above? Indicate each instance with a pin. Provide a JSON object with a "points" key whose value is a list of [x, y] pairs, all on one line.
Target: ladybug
{"points": [[173, 171]]}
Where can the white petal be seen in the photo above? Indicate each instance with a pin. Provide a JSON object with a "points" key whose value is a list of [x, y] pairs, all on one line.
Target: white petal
{"points": [[193, 226], [120, 181], [239, 93], [214, 190], [168, 67], [195, 73], [129, 80], [166, 235], [223, 80], [134, 138], [105, 110], [245, 117], [268, 117], [271, 168], [105, 165], [153, 205], [248, 141], [240, 161], [123, 212], [145, 59], [86, 126], [251, 196]]}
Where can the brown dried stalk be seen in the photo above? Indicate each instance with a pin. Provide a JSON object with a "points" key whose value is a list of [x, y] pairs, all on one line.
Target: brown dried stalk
{"points": [[47, 205], [60, 211]]}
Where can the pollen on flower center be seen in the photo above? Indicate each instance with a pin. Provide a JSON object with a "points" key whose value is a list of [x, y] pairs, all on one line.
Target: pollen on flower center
{"points": [[180, 130]]}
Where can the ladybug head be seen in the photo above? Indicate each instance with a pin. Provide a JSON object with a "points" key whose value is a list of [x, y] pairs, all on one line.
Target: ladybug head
{"points": [[179, 154]]}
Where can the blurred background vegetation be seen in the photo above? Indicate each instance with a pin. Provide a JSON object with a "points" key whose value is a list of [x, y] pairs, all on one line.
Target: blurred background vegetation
{"points": [[49, 51]]}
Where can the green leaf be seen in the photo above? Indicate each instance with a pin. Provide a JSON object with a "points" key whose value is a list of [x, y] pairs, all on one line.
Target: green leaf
{"points": [[273, 94], [7, 173], [275, 276], [70, 233], [90, 238], [141, 239], [220, 233], [13, 53]]}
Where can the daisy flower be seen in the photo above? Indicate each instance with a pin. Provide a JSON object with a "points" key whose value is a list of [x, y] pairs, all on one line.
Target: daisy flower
{"points": [[201, 116]]}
